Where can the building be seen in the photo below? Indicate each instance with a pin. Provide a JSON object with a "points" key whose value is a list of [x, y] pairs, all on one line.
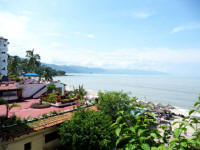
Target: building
{"points": [[39, 134], [3, 56], [10, 92]]}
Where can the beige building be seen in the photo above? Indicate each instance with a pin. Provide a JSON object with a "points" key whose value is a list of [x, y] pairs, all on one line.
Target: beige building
{"points": [[44, 139], [36, 135]]}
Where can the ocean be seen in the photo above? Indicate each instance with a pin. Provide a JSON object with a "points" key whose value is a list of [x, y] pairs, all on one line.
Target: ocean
{"points": [[178, 91]]}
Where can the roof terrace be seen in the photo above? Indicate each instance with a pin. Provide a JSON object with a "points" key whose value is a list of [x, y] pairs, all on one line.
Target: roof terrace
{"points": [[26, 110]]}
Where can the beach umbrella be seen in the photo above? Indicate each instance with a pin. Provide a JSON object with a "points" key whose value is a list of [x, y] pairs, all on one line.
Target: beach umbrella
{"points": [[170, 106], [160, 105], [150, 103], [31, 74]]}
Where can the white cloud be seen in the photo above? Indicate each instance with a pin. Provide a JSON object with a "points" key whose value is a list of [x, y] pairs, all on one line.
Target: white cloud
{"points": [[12, 26], [141, 15], [91, 36], [158, 59], [185, 27], [56, 44], [77, 33]]}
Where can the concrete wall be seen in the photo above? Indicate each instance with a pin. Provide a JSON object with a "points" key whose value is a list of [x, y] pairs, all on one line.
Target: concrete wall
{"points": [[37, 140], [60, 85]]}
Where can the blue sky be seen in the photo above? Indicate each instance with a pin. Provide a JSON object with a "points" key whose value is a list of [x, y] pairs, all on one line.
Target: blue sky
{"points": [[161, 35]]}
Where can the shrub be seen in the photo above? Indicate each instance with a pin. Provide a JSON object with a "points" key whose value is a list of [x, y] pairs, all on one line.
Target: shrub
{"points": [[50, 88], [80, 92], [40, 106], [139, 135], [52, 98], [89, 130], [111, 102]]}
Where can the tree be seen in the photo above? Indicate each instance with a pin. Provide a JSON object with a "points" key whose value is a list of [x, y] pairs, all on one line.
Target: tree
{"points": [[47, 74], [13, 65], [80, 92], [111, 102], [87, 130], [33, 60], [8, 107]]}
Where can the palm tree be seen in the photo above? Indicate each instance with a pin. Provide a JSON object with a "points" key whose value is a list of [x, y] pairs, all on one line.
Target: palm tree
{"points": [[47, 74], [8, 107], [33, 60]]}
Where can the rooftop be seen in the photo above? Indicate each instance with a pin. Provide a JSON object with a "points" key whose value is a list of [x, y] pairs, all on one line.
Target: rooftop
{"points": [[4, 87], [19, 130], [26, 110]]}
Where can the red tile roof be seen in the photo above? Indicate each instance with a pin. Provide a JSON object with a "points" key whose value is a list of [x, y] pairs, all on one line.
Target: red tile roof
{"points": [[19, 130]]}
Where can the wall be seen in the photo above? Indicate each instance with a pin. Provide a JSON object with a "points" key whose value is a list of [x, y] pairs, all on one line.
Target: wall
{"points": [[37, 140], [3, 56], [60, 85]]}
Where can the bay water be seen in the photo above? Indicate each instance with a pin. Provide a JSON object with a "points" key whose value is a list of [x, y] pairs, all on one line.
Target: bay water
{"points": [[179, 91]]}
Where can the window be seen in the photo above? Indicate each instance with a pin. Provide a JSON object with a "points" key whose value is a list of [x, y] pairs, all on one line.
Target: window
{"points": [[5, 45], [3, 68], [4, 60], [27, 146], [51, 136], [3, 52], [9, 93]]}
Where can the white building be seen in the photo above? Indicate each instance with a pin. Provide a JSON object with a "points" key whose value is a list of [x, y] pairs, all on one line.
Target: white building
{"points": [[3, 56]]}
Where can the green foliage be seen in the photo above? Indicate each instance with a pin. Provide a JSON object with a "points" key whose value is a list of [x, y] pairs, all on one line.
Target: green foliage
{"points": [[52, 97], [14, 78], [8, 107], [88, 130], [53, 112], [33, 61], [44, 115], [112, 102], [14, 65], [17, 65], [47, 73], [137, 131], [141, 132], [80, 91], [51, 87]]}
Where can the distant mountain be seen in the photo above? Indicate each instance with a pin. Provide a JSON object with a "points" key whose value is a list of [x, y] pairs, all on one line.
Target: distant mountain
{"points": [[80, 69]]}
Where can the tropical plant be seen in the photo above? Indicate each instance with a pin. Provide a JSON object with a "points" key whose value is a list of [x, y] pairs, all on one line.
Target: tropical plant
{"points": [[17, 66], [8, 107], [141, 132], [47, 74], [79, 92], [87, 130], [111, 102], [52, 97], [33, 60], [50, 88], [13, 65]]}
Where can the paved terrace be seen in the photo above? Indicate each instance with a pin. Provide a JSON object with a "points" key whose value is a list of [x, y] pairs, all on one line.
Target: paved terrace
{"points": [[26, 110]]}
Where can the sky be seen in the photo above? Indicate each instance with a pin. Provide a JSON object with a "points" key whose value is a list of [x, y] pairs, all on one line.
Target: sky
{"points": [[154, 35]]}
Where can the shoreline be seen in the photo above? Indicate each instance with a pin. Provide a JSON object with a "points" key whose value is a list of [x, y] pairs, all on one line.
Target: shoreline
{"points": [[177, 110]]}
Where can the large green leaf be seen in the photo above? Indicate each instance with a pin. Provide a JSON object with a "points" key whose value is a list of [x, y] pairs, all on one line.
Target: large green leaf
{"points": [[177, 132], [191, 111], [184, 144], [117, 131], [146, 147]]}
